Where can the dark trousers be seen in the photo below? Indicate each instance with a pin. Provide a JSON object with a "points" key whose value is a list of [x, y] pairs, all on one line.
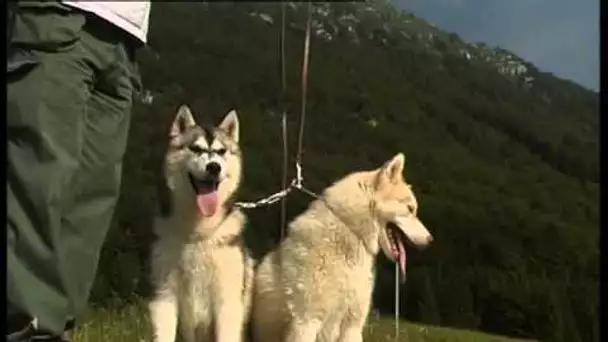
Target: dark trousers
{"points": [[71, 78]]}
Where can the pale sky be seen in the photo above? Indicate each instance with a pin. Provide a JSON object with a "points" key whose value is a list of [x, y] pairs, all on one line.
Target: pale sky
{"points": [[557, 36]]}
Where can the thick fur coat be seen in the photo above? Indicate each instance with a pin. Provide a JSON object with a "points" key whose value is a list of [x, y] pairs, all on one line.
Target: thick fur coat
{"points": [[317, 285]]}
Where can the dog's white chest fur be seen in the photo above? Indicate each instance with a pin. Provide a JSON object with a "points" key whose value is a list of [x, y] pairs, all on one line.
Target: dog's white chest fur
{"points": [[195, 277], [202, 284]]}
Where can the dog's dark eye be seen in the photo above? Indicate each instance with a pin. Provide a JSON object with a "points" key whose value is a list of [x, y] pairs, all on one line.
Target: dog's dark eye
{"points": [[221, 151], [196, 149]]}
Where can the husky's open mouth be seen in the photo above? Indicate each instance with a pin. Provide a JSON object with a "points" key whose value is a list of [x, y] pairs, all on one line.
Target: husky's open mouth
{"points": [[206, 194], [396, 240]]}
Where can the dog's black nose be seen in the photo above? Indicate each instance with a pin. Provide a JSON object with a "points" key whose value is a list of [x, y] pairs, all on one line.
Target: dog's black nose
{"points": [[213, 169]]}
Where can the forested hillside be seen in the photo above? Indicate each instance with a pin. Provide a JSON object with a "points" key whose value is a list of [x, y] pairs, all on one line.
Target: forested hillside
{"points": [[504, 158]]}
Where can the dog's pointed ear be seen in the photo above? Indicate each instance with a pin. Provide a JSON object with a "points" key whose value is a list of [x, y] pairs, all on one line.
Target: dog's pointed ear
{"points": [[392, 170], [183, 121], [230, 125]]}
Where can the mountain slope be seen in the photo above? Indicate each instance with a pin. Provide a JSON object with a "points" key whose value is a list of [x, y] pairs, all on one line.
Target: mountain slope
{"points": [[503, 157]]}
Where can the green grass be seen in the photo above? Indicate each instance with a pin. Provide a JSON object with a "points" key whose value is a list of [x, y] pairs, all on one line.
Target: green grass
{"points": [[130, 324]]}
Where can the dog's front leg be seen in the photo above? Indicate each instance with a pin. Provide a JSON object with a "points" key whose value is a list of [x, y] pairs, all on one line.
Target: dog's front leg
{"points": [[353, 333], [163, 314], [228, 306], [355, 319], [303, 331], [230, 322]]}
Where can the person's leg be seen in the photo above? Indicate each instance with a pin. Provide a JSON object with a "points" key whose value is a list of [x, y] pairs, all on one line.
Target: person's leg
{"points": [[59, 76], [95, 186], [48, 86]]}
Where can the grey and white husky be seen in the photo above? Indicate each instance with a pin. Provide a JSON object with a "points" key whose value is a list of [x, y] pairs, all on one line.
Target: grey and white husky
{"points": [[201, 271]]}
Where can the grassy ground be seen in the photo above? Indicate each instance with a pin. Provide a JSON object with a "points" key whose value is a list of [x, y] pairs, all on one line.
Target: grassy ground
{"points": [[130, 324]]}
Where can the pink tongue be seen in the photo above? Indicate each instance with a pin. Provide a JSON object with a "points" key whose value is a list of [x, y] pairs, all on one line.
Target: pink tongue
{"points": [[401, 256], [207, 203]]}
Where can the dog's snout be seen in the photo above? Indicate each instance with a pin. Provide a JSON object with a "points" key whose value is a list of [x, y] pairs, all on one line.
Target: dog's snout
{"points": [[213, 169], [429, 239]]}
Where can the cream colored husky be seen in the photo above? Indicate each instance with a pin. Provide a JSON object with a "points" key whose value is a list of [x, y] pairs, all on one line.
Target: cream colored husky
{"points": [[200, 269], [317, 285]]}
